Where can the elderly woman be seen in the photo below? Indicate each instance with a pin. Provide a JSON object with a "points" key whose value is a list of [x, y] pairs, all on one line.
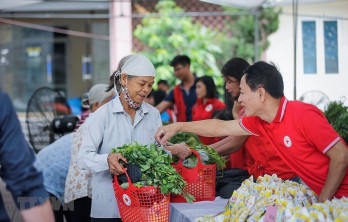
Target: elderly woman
{"points": [[124, 120]]}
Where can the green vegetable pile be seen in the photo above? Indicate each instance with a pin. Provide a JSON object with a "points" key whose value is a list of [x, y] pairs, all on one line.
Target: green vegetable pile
{"points": [[337, 115], [182, 137], [155, 167], [208, 155], [213, 156]]}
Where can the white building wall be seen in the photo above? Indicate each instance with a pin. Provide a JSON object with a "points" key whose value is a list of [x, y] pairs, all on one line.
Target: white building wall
{"points": [[120, 31], [281, 50]]}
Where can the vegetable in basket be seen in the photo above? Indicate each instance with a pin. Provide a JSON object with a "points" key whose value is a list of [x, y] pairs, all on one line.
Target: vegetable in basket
{"points": [[155, 167], [208, 155], [183, 137]]}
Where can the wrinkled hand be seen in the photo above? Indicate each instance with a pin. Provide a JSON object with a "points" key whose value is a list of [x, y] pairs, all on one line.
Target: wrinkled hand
{"points": [[182, 150], [164, 133], [115, 167]]}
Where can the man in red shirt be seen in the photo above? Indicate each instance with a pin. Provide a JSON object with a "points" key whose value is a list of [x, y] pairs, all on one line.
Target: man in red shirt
{"points": [[299, 132]]}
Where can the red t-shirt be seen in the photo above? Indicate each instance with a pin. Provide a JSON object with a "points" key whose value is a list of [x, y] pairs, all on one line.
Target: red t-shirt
{"points": [[301, 135], [238, 159], [202, 111], [261, 159]]}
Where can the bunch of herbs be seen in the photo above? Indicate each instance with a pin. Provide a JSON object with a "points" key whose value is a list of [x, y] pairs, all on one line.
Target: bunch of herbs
{"points": [[156, 168]]}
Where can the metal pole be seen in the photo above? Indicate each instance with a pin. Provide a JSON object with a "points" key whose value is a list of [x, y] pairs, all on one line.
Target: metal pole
{"points": [[256, 33], [295, 18]]}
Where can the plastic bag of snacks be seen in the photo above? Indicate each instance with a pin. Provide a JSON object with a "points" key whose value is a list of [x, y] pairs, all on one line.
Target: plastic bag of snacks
{"points": [[334, 210], [250, 201]]}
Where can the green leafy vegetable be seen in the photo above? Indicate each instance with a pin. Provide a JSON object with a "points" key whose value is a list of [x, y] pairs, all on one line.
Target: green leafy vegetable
{"points": [[337, 115], [208, 155], [182, 137], [155, 167]]}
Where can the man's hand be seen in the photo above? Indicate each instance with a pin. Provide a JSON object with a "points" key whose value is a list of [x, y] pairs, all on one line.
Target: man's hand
{"points": [[164, 133], [115, 167], [322, 199]]}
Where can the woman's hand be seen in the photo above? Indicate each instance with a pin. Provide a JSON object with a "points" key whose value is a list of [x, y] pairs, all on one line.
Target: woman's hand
{"points": [[182, 150], [115, 167], [237, 110]]}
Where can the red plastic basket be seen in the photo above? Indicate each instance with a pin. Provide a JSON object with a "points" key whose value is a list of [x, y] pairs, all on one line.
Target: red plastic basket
{"points": [[144, 204], [201, 180]]}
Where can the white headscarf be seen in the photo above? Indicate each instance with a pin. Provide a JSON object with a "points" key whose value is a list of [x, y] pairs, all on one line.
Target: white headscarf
{"points": [[138, 65], [134, 65]]}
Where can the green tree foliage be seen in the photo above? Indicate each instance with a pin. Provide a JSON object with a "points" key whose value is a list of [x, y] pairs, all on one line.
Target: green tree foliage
{"points": [[169, 35], [241, 32]]}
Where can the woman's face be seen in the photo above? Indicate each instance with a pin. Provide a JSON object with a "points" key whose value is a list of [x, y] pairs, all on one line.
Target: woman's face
{"points": [[232, 87], [201, 90], [138, 87]]}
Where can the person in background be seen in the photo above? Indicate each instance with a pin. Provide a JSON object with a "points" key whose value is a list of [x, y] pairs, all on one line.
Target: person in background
{"points": [[17, 170], [53, 162], [61, 106], [299, 132], [78, 187], [150, 99], [167, 116], [163, 85], [232, 72], [85, 110], [183, 96], [124, 120], [207, 103]]}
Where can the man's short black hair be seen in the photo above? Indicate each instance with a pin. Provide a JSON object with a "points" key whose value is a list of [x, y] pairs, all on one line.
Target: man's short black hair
{"points": [[266, 75], [162, 81], [180, 59]]}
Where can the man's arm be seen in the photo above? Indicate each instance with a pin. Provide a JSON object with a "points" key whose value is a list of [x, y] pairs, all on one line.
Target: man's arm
{"points": [[162, 106], [208, 128], [338, 155], [41, 213], [17, 170], [229, 144]]}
